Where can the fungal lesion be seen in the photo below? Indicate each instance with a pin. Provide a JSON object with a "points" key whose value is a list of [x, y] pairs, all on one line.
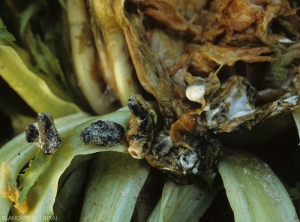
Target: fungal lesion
{"points": [[195, 153], [103, 133], [44, 133]]}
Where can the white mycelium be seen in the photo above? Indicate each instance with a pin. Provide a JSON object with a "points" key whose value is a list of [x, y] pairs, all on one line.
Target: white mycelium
{"points": [[188, 160], [234, 100]]}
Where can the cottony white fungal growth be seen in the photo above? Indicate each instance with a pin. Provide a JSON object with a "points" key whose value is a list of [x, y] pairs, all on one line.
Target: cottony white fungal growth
{"points": [[188, 159]]}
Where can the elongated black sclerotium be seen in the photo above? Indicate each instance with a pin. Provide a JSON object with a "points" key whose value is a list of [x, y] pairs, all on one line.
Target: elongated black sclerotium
{"points": [[103, 133], [32, 133]]}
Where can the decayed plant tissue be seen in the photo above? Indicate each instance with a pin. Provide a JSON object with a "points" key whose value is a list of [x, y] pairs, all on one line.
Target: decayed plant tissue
{"points": [[214, 67]]}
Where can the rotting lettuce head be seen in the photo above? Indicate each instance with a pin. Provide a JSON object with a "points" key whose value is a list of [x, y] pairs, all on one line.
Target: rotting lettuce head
{"points": [[210, 66]]}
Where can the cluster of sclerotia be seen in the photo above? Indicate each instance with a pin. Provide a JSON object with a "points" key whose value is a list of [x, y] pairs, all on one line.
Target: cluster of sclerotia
{"points": [[45, 135]]}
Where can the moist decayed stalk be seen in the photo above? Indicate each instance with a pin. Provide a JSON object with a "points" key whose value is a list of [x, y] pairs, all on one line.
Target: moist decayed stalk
{"points": [[115, 53], [85, 58]]}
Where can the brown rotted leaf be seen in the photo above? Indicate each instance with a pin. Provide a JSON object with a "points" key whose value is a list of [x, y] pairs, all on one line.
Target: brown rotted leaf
{"points": [[228, 55], [168, 13], [244, 20]]}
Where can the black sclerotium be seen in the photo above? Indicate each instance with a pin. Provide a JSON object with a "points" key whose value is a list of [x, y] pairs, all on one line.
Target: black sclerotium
{"points": [[44, 133], [143, 112], [138, 106], [32, 133], [103, 133]]}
